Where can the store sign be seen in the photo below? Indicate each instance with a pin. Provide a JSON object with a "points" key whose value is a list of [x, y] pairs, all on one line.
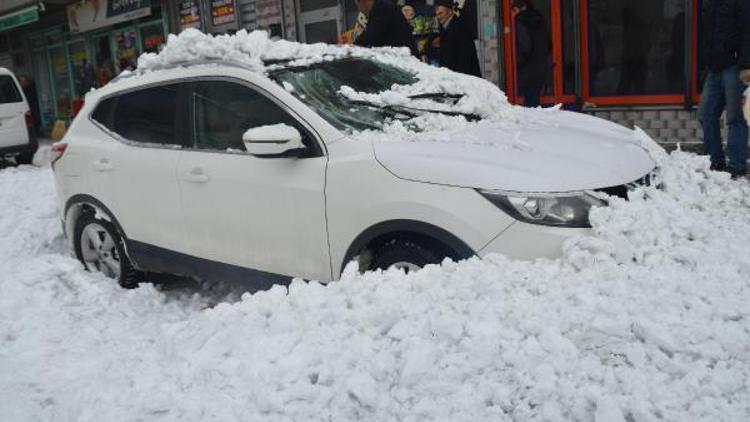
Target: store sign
{"points": [[21, 17], [222, 12], [190, 14], [86, 15]]}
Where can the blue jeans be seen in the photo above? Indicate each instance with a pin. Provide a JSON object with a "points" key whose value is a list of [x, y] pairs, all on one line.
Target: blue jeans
{"points": [[724, 90]]}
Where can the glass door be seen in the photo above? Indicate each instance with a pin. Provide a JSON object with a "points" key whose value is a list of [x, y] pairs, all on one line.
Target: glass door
{"points": [[44, 91], [320, 21], [557, 25]]}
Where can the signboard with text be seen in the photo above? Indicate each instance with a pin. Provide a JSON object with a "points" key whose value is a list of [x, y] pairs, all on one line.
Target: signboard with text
{"points": [[86, 15], [222, 12], [190, 14]]}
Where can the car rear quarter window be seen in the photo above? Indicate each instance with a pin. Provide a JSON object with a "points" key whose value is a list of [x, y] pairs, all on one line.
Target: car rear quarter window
{"points": [[145, 116], [9, 91]]}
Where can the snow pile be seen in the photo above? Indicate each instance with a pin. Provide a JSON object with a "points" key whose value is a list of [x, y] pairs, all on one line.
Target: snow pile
{"points": [[648, 320]]}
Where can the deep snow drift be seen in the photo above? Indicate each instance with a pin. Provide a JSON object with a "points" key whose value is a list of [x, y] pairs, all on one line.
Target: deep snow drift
{"points": [[648, 320]]}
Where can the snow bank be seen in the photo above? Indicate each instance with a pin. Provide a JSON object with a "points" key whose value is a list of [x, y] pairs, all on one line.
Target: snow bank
{"points": [[648, 320]]}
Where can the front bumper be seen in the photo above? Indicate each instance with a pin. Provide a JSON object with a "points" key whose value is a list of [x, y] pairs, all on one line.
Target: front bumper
{"points": [[529, 241]]}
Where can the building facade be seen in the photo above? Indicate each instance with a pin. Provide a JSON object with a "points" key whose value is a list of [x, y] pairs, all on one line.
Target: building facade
{"points": [[630, 61]]}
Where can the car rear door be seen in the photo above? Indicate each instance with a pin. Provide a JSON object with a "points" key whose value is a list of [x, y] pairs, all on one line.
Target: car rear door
{"points": [[133, 172], [13, 110], [266, 214]]}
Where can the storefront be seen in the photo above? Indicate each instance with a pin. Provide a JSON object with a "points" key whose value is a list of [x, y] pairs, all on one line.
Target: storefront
{"points": [[79, 46], [228, 16]]}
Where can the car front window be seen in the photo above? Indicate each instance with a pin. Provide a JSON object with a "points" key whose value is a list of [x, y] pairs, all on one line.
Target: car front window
{"points": [[319, 87]]}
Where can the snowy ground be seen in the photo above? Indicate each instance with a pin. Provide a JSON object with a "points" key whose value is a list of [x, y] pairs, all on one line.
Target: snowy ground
{"points": [[647, 321]]}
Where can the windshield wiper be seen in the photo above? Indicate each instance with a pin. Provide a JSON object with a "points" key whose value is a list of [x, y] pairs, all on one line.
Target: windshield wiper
{"points": [[441, 95], [392, 108], [414, 112]]}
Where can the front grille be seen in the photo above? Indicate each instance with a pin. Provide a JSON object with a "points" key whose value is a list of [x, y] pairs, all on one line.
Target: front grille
{"points": [[621, 191]]}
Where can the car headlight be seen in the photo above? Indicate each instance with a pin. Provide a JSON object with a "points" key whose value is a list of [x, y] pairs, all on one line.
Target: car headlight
{"points": [[563, 210]]}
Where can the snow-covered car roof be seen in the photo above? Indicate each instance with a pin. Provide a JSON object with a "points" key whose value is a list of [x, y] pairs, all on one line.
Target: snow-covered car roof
{"points": [[256, 52]]}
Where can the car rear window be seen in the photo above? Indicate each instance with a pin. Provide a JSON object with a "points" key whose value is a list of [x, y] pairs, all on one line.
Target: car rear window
{"points": [[145, 116], [8, 90]]}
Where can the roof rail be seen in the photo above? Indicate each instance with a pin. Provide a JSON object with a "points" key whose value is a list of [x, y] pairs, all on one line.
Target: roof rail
{"points": [[184, 63]]}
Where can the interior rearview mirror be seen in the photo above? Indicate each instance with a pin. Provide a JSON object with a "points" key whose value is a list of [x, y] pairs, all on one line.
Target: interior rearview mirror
{"points": [[273, 140]]}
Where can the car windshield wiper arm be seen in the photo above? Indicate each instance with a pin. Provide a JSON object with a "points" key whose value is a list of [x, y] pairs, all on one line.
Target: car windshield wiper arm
{"points": [[429, 95], [414, 111]]}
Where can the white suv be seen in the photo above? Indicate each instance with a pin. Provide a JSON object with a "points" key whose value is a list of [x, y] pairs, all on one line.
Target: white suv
{"points": [[223, 171], [17, 138]]}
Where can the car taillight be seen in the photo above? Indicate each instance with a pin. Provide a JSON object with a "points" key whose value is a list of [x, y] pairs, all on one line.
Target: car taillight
{"points": [[29, 120], [58, 150]]}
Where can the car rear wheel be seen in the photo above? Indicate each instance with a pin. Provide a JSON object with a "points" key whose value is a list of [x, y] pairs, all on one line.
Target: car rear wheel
{"points": [[100, 248], [405, 255]]}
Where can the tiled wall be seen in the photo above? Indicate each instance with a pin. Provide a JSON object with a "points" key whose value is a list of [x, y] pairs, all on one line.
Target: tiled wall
{"points": [[664, 125]]}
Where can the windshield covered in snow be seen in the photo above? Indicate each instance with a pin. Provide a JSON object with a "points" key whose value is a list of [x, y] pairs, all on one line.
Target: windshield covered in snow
{"points": [[319, 87], [331, 89]]}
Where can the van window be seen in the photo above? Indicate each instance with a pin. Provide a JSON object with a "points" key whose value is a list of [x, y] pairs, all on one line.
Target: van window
{"points": [[8, 90], [145, 116]]}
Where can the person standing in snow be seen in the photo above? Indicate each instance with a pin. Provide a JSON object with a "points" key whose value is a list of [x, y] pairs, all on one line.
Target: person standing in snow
{"points": [[457, 50], [386, 26], [726, 52], [532, 51]]}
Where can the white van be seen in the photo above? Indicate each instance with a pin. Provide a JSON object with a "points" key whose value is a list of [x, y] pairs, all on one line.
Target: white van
{"points": [[17, 140]]}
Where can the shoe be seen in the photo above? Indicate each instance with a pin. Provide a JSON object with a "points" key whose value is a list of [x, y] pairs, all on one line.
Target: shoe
{"points": [[720, 166], [736, 174]]}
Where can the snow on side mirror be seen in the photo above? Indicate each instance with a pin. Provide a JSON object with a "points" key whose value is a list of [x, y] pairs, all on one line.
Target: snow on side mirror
{"points": [[273, 140]]}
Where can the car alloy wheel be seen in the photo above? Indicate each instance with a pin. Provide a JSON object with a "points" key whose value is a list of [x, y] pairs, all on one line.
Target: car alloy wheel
{"points": [[99, 251], [99, 246]]}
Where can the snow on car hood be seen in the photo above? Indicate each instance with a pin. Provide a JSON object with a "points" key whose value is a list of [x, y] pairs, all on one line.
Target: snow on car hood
{"points": [[559, 152]]}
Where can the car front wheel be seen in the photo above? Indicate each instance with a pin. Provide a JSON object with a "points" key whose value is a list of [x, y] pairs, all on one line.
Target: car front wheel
{"points": [[100, 248], [405, 255]]}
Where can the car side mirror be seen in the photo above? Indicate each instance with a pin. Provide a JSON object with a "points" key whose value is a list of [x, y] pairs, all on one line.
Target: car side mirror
{"points": [[269, 141]]}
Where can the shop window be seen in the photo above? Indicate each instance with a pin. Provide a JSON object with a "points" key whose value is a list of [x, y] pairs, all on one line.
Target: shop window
{"points": [[83, 72], [636, 47], [126, 53], [104, 62], [568, 46], [60, 81], [152, 37]]}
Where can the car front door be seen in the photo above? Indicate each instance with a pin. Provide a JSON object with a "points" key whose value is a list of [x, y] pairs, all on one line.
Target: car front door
{"points": [[267, 214]]}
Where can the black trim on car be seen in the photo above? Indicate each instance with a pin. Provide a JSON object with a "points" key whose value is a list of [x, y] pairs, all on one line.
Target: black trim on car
{"points": [[147, 257], [18, 149], [88, 199], [156, 259], [459, 248]]}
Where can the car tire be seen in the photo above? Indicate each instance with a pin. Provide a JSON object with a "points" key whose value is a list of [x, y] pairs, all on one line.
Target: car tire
{"points": [[404, 254], [25, 158], [100, 248]]}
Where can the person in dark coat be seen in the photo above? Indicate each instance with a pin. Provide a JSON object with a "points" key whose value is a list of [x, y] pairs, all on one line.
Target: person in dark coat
{"points": [[386, 26], [457, 50], [532, 51], [726, 52]]}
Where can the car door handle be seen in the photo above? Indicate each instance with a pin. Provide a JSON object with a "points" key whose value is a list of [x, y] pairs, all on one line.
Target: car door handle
{"points": [[102, 165], [196, 175]]}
